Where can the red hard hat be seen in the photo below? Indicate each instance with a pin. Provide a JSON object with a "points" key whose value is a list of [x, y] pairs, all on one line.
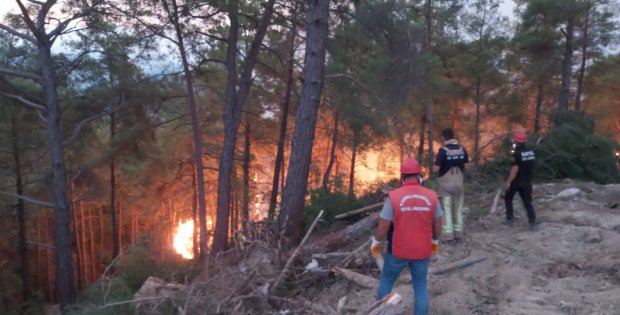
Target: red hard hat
{"points": [[520, 137], [410, 166]]}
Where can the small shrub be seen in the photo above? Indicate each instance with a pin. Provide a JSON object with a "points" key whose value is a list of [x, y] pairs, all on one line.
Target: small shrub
{"points": [[572, 150]]}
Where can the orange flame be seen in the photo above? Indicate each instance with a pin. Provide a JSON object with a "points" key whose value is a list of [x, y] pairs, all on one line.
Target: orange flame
{"points": [[183, 239]]}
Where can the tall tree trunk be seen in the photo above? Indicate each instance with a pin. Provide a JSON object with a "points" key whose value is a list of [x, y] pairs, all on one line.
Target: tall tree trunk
{"points": [[76, 236], [245, 204], [539, 99], [195, 246], [332, 152], [567, 65], [62, 220], [584, 58], [85, 266], [232, 113], [477, 136], [291, 216], [91, 237], [40, 282], [422, 136], [101, 234], [197, 142], [354, 148], [120, 223], [24, 267], [50, 261], [429, 104], [113, 219], [283, 125]]}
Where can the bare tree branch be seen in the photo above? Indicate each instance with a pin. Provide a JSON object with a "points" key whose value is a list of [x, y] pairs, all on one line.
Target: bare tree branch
{"points": [[80, 125], [21, 35], [24, 101], [29, 22], [28, 199], [22, 74]]}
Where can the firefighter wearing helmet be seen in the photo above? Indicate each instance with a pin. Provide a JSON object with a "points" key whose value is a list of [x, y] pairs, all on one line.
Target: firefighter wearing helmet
{"points": [[450, 163], [520, 179], [412, 214]]}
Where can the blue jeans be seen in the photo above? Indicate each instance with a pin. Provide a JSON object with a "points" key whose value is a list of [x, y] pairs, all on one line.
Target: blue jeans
{"points": [[392, 266]]}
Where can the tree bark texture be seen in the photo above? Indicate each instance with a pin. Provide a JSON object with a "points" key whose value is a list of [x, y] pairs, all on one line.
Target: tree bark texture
{"points": [[62, 220], [354, 147], [196, 247], [196, 136], [283, 125], [582, 66], [429, 103], [113, 218], [21, 214], [291, 216], [422, 137], [245, 204], [477, 135], [539, 99], [337, 239], [567, 65], [332, 151], [232, 114]]}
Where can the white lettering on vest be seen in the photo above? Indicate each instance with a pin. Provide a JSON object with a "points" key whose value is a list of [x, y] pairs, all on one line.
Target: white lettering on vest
{"points": [[414, 208], [527, 156]]}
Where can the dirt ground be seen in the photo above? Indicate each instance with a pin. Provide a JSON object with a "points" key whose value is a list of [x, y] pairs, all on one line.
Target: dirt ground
{"points": [[570, 265]]}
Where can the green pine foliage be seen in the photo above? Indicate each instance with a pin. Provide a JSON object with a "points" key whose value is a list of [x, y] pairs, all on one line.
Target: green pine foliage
{"points": [[573, 150], [333, 203]]}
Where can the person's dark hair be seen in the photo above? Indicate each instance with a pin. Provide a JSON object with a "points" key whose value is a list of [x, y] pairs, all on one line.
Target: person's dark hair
{"points": [[447, 134], [407, 176]]}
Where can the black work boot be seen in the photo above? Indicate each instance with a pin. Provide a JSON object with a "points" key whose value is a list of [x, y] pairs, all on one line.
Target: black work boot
{"points": [[533, 226]]}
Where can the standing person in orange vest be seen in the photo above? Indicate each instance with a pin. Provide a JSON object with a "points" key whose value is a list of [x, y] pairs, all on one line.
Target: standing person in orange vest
{"points": [[415, 214], [450, 162], [520, 179]]}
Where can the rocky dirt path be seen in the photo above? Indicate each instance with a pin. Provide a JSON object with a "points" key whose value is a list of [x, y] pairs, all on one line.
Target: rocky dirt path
{"points": [[571, 265]]}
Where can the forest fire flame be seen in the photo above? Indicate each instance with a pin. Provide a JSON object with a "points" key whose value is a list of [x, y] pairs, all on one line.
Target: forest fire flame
{"points": [[183, 239]]}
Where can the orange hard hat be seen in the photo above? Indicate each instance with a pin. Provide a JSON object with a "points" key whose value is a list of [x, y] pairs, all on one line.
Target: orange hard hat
{"points": [[410, 166], [520, 137]]}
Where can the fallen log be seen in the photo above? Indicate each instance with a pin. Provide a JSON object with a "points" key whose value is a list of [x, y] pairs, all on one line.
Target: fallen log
{"points": [[336, 240], [331, 255], [358, 211], [362, 280], [455, 265], [389, 301], [401, 308]]}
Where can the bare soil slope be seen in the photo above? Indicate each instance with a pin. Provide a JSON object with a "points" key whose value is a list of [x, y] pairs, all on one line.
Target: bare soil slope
{"points": [[571, 265]]}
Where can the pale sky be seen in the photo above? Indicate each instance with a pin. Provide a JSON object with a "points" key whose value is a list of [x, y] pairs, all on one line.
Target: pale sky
{"points": [[506, 7]]}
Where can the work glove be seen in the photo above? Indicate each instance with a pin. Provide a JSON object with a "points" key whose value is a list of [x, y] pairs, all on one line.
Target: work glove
{"points": [[434, 247], [375, 247]]}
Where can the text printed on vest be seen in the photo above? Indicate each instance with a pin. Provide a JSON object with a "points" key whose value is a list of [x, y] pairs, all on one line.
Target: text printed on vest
{"points": [[414, 208]]}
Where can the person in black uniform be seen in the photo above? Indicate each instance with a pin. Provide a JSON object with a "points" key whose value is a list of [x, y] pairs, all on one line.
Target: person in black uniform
{"points": [[520, 179]]}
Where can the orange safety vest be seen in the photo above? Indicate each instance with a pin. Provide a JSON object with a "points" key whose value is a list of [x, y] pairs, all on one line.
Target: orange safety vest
{"points": [[414, 210]]}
